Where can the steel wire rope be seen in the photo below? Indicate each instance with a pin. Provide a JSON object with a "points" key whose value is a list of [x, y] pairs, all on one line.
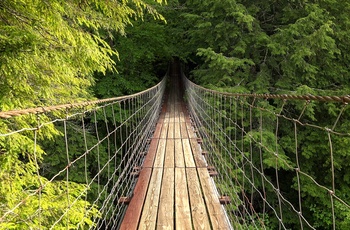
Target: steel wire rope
{"points": [[261, 164], [146, 117], [276, 165], [296, 122], [199, 109], [243, 171]]}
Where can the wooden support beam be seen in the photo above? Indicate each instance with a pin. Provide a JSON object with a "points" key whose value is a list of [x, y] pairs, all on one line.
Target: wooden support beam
{"points": [[225, 200], [212, 171], [136, 171], [124, 200]]}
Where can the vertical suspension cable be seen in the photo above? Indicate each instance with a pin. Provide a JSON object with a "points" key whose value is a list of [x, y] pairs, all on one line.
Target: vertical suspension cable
{"points": [[235, 147], [333, 181], [92, 193], [115, 138], [243, 159], [108, 140], [262, 165], [248, 137], [67, 169], [121, 139], [98, 152], [251, 152], [280, 218], [85, 165], [297, 170], [37, 171]]}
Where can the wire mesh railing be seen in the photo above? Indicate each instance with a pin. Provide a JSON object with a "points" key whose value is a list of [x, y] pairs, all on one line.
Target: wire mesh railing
{"points": [[282, 159], [69, 166]]}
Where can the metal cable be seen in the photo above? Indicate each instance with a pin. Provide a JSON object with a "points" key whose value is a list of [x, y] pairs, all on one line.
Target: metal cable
{"points": [[256, 143], [113, 133]]}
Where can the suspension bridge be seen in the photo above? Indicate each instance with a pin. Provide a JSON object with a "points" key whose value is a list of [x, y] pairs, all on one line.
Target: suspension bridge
{"points": [[176, 156]]}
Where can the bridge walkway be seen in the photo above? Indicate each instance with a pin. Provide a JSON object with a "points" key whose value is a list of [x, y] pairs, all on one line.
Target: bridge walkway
{"points": [[174, 188]]}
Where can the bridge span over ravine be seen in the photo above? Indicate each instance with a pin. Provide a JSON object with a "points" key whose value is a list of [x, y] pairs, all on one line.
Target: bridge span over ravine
{"points": [[177, 156]]}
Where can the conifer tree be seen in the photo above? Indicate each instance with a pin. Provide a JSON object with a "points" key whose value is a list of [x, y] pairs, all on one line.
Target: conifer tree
{"points": [[49, 53]]}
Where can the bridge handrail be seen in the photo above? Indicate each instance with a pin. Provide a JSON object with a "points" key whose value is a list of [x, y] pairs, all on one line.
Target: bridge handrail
{"points": [[251, 143], [103, 144], [308, 97], [44, 109]]}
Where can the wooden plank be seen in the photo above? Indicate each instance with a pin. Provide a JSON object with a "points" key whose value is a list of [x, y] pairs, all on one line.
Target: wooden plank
{"points": [[182, 117], [169, 160], [164, 132], [197, 155], [199, 214], [150, 208], [151, 154], [133, 212], [172, 113], [179, 155], [177, 111], [182, 201], [216, 212], [171, 130], [189, 161], [158, 129], [177, 130], [166, 204], [167, 116], [183, 128], [159, 159]]}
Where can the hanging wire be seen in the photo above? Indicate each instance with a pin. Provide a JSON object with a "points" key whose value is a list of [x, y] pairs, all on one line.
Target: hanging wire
{"points": [[102, 144], [251, 136], [243, 135], [277, 166]]}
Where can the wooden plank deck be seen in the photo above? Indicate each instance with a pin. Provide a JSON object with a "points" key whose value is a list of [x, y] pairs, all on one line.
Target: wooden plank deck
{"points": [[174, 189]]}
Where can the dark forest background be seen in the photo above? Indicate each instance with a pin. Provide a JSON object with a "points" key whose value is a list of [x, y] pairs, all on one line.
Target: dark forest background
{"points": [[54, 52]]}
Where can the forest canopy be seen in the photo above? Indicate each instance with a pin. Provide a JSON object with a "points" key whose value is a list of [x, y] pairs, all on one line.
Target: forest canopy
{"points": [[51, 53], [50, 50], [268, 46], [63, 51], [60, 51]]}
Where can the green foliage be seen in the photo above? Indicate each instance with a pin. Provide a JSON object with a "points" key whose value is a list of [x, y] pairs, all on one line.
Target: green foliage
{"points": [[267, 142], [143, 59], [50, 52], [216, 33], [78, 143], [263, 47], [223, 68], [55, 51], [293, 47], [21, 184]]}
